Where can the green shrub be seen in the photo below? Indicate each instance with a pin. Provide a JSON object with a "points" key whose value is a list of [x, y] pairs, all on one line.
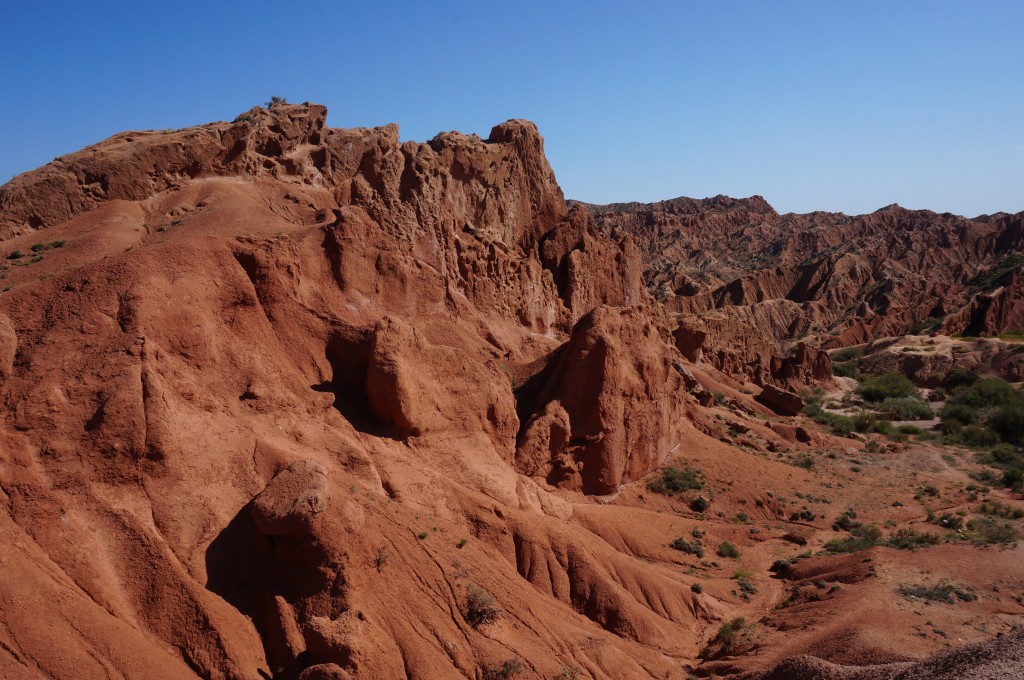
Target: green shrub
{"points": [[959, 377], [989, 393], [890, 385], [481, 607], [999, 509], [847, 369], [989, 530], [947, 520], [960, 413], [908, 539], [906, 408], [862, 537], [727, 549], [674, 480], [1008, 422], [847, 354], [728, 632], [688, 547], [976, 436], [697, 588]]}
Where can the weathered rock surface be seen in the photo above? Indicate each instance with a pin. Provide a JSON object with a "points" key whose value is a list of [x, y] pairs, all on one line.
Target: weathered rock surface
{"points": [[281, 400], [610, 411], [827, 279]]}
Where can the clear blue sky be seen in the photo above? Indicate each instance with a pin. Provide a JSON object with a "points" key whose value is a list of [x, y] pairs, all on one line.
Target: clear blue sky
{"points": [[819, 105]]}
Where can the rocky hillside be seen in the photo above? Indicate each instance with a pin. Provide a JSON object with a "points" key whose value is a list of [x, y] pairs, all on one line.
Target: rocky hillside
{"points": [[279, 400], [737, 269]]}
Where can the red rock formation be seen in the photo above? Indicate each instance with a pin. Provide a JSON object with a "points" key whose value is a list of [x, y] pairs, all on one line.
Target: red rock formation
{"points": [[256, 380], [845, 280], [611, 391]]}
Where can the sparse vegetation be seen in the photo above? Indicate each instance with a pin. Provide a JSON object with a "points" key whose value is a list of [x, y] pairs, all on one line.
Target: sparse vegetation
{"points": [[689, 547], [481, 607], [889, 386], [274, 99], [946, 520], [675, 480], [382, 558], [507, 669], [991, 531], [909, 539], [728, 632], [906, 408], [988, 415], [863, 537], [999, 509], [727, 549], [937, 593]]}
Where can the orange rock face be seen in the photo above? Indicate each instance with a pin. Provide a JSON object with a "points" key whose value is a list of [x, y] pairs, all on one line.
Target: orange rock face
{"points": [[287, 401], [755, 283]]}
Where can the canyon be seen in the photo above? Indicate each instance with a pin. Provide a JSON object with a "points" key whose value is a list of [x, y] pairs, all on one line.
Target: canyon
{"points": [[280, 400]]}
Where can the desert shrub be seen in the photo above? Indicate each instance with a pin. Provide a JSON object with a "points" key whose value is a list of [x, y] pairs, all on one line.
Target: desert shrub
{"points": [[1000, 509], [697, 588], [888, 386], [839, 424], [862, 537], [727, 549], [1008, 422], [847, 354], [569, 673], [989, 531], [15, 255], [977, 436], [507, 669], [847, 369], [947, 520], [937, 593], [960, 413], [938, 394], [909, 539], [674, 480], [481, 607], [959, 377], [729, 631], [886, 427], [1013, 478], [846, 521], [688, 547], [805, 461], [747, 587], [275, 100], [906, 408], [910, 429], [988, 393]]}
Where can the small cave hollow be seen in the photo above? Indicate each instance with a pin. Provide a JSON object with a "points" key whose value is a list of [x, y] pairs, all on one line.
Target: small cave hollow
{"points": [[348, 353]]}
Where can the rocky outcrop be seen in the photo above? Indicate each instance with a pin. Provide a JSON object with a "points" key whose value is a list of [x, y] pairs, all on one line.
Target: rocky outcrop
{"points": [[848, 279], [927, 360], [271, 375], [610, 411], [750, 342], [783, 402]]}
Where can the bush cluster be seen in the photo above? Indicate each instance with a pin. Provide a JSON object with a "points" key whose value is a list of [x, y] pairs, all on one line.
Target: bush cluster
{"points": [[675, 480], [988, 415]]}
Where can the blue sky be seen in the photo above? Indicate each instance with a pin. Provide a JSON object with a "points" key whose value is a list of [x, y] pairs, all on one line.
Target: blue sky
{"points": [[845, 106]]}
